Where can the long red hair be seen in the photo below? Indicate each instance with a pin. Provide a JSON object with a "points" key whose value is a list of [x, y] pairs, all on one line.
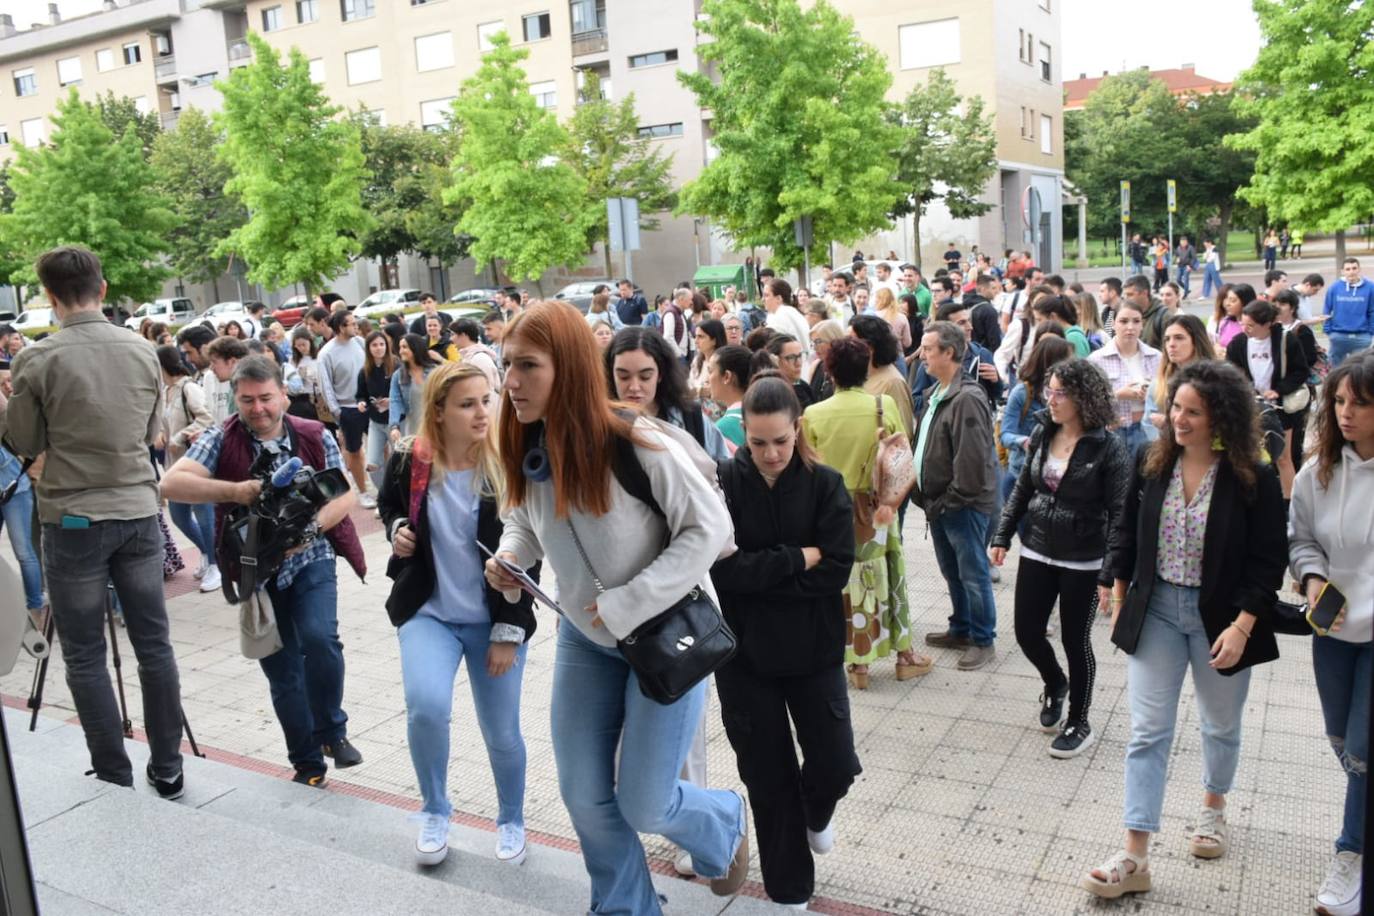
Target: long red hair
{"points": [[579, 421]]}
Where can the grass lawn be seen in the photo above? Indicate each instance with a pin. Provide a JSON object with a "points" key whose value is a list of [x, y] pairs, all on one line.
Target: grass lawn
{"points": [[1240, 246]]}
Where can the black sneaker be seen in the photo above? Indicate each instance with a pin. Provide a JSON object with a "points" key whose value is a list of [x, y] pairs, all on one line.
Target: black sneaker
{"points": [[1076, 738], [315, 780], [168, 789], [1052, 710], [343, 752]]}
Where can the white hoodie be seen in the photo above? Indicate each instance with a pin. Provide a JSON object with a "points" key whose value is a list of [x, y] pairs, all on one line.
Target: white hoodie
{"points": [[1331, 534]]}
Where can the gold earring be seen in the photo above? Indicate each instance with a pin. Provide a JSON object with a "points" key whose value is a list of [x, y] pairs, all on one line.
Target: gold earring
{"points": [[1217, 444]]}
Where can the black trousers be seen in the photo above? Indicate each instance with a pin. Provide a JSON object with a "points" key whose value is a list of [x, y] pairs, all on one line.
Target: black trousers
{"points": [[788, 799], [1038, 586]]}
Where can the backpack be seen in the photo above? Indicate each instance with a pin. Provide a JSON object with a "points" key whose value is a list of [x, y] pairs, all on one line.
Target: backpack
{"points": [[751, 316]]}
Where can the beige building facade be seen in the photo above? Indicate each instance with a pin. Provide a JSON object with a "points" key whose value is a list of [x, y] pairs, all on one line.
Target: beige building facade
{"points": [[403, 61]]}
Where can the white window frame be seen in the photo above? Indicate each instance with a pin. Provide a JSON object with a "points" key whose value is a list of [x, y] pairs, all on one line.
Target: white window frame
{"points": [[368, 62], [933, 43], [104, 60], [68, 70], [272, 15], [142, 106], [545, 94], [648, 131], [312, 5], [363, 9], [25, 73], [645, 62], [1045, 61], [4, 135], [134, 46], [1047, 135], [485, 33], [31, 132], [525, 26], [438, 47], [317, 70], [432, 106]]}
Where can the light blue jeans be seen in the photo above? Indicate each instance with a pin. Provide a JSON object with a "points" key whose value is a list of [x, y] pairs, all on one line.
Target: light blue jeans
{"points": [[197, 522], [1342, 344], [431, 651], [17, 516], [1172, 639], [597, 703]]}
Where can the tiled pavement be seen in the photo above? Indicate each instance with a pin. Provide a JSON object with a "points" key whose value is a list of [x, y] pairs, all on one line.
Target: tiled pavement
{"points": [[959, 808]]}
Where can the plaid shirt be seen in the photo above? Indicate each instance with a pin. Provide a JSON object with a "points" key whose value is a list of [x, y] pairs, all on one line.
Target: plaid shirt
{"points": [[1112, 363], [205, 452]]}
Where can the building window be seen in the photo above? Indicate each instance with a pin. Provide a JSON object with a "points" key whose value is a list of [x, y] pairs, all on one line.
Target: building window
{"points": [[486, 32], [357, 9], [1028, 52], [434, 52], [435, 113], [1046, 134], [1021, 45], [376, 117], [1045, 67], [307, 11], [587, 15], [537, 26], [142, 107], [363, 65], [25, 83], [653, 58], [104, 60], [271, 19], [31, 132], [68, 71], [317, 70], [545, 94], [928, 44], [132, 53], [4, 136], [655, 131]]}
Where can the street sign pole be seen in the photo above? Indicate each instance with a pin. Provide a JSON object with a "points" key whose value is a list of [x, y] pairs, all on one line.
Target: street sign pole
{"points": [[622, 224], [801, 230], [1125, 220]]}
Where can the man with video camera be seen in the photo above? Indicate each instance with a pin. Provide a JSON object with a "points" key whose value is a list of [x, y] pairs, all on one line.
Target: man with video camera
{"points": [[90, 398], [306, 674]]}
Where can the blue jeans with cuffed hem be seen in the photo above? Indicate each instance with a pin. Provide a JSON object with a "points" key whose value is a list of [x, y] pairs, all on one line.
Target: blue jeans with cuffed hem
{"points": [[431, 651], [960, 538], [197, 522], [1171, 640], [1343, 671], [597, 704], [306, 675], [17, 516]]}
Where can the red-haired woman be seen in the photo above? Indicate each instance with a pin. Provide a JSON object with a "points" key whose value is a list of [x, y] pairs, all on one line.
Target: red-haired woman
{"points": [[565, 505]]}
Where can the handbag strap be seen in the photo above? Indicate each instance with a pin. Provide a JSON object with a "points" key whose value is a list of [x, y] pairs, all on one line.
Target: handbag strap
{"points": [[596, 580]]}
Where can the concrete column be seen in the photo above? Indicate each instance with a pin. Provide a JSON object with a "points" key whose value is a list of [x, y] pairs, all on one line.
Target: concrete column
{"points": [[1082, 232]]}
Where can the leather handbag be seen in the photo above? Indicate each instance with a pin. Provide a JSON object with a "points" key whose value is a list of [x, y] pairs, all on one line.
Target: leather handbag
{"points": [[891, 469], [674, 651]]}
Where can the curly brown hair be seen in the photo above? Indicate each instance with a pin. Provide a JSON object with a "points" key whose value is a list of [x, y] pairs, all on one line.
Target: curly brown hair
{"points": [[1230, 400], [1089, 389]]}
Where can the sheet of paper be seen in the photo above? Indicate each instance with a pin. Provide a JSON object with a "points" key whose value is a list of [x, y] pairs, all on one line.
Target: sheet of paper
{"points": [[526, 583]]}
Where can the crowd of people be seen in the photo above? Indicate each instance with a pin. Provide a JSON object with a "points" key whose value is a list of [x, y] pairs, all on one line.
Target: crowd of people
{"points": [[1153, 467]]}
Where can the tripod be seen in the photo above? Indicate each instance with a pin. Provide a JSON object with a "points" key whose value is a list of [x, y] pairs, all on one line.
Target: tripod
{"points": [[40, 675]]}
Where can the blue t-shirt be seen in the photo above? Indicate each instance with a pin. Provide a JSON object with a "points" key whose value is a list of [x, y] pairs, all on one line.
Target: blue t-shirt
{"points": [[459, 587]]}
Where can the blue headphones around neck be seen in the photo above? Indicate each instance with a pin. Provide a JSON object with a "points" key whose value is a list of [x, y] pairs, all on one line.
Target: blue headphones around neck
{"points": [[536, 467]]}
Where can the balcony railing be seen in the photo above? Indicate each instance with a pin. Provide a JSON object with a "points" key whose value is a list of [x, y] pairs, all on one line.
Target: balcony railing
{"points": [[590, 42], [240, 52], [165, 67], [169, 120]]}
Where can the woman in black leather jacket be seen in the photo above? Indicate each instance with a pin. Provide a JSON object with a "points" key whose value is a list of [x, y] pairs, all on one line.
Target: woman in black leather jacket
{"points": [[1071, 492]]}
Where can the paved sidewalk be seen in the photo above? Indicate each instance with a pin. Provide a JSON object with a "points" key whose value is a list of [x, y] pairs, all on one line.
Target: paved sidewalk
{"points": [[959, 808]]}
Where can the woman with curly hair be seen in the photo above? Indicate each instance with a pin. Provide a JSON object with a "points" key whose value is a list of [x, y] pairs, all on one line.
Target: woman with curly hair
{"points": [[1070, 495], [1202, 546]]}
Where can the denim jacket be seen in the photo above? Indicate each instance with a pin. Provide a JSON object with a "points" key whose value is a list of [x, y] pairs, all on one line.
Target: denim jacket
{"points": [[10, 468], [1017, 425]]}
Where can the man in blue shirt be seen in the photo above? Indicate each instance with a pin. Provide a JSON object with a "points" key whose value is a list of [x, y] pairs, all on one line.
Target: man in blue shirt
{"points": [[631, 307], [1350, 313]]}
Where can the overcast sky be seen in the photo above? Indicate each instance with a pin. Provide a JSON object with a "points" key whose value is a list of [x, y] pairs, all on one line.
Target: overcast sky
{"points": [[1220, 36]]}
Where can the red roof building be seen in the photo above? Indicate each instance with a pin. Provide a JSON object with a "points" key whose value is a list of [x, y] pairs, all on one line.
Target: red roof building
{"points": [[1180, 81]]}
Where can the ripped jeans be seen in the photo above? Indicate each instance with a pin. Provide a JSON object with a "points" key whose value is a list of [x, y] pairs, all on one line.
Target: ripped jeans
{"points": [[1343, 670]]}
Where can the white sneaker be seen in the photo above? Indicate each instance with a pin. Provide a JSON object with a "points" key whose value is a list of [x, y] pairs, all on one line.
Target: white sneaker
{"points": [[202, 566], [510, 843], [367, 501], [821, 842], [210, 582], [431, 847], [1340, 892], [683, 865]]}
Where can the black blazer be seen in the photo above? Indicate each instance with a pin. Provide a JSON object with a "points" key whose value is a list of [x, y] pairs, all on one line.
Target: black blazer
{"points": [[1281, 341], [413, 577], [1244, 554]]}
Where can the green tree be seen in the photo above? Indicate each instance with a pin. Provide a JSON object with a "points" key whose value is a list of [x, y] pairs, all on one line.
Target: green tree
{"points": [[297, 169], [947, 151], [797, 117], [87, 188], [1311, 90], [119, 113], [9, 256], [521, 203], [1210, 171], [605, 148], [192, 176]]}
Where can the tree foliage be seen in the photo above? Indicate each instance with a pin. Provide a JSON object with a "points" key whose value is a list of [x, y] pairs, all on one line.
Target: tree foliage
{"points": [[797, 116], [1311, 91], [605, 149], [407, 167], [9, 256], [192, 176], [297, 169], [119, 113], [85, 187], [946, 151], [522, 204]]}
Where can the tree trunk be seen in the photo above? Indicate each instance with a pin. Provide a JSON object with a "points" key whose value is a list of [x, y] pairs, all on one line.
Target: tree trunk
{"points": [[1224, 229], [1340, 250], [916, 234], [606, 252], [214, 287]]}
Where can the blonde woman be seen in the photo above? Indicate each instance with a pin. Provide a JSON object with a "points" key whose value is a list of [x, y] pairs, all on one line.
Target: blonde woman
{"points": [[1090, 319], [890, 310], [440, 494]]}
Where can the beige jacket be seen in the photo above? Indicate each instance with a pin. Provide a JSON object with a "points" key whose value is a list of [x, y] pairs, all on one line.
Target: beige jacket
{"points": [[186, 414]]}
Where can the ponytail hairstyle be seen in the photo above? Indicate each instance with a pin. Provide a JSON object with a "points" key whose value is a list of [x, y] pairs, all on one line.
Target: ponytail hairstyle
{"points": [[736, 361], [772, 394]]}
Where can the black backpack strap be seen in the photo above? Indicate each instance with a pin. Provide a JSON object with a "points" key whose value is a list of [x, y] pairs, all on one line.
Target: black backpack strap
{"points": [[695, 423], [630, 474]]}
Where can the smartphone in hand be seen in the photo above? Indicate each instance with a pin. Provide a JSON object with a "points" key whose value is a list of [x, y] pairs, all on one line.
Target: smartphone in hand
{"points": [[1323, 614]]}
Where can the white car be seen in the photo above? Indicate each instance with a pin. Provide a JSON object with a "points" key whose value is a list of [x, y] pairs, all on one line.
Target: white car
{"points": [[167, 311], [35, 318], [387, 300]]}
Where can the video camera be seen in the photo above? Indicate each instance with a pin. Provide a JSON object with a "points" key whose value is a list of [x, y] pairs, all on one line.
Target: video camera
{"points": [[257, 537]]}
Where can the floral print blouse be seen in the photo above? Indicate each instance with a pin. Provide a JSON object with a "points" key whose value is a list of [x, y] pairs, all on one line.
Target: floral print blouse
{"points": [[1182, 526]]}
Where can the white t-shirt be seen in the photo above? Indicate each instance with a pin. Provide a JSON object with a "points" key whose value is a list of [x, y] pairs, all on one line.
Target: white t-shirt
{"points": [[1134, 366], [787, 320], [1259, 356]]}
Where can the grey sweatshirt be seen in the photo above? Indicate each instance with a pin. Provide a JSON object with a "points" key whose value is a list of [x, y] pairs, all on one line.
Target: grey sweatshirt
{"points": [[1331, 534]]}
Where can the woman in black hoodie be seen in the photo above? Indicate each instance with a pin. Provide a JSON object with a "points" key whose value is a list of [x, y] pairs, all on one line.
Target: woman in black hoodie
{"points": [[783, 594]]}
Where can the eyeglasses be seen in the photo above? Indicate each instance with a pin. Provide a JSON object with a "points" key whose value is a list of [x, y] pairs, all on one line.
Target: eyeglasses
{"points": [[1055, 394], [792, 357]]}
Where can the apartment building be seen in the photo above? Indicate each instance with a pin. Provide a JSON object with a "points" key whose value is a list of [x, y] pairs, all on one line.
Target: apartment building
{"points": [[404, 60]]}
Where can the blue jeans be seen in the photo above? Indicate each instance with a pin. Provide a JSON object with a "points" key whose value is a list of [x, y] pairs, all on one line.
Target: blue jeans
{"points": [[1184, 276], [80, 563], [1343, 670], [197, 522], [1133, 437], [597, 703], [1172, 639], [431, 651], [960, 538], [306, 675], [17, 514], [1343, 344], [1211, 280]]}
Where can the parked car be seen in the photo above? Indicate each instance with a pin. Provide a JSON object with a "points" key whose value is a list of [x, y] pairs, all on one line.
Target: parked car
{"points": [[580, 292], [32, 318], [387, 300], [233, 310], [480, 295], [293, 310], [167, 311]]}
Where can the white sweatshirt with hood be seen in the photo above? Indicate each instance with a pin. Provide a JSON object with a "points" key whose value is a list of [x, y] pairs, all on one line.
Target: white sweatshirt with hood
{"points": [[1331, 534]]}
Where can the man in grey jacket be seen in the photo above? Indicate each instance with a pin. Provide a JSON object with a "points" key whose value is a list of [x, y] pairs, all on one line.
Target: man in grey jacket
{"points": [[956, 485], [90, 398]]}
